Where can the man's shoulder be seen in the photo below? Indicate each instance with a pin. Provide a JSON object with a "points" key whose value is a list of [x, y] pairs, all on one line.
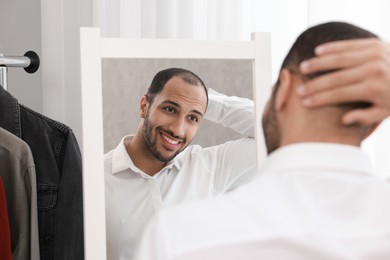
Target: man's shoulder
{"points": [[212, 221]]}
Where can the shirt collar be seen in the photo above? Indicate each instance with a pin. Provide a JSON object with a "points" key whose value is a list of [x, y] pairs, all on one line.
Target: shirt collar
{"points": [[121, 160], [330, 156]]}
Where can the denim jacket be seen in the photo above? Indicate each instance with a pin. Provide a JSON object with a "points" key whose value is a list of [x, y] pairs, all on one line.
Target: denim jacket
{"points": [[57, 160]]}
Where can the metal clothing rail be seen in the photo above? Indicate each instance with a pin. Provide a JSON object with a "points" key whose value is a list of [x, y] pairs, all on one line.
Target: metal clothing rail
{"points": [[30, 63]]}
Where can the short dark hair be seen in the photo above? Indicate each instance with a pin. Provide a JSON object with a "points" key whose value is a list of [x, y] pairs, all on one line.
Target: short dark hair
{"points": [[163, 76], [303, 48]]}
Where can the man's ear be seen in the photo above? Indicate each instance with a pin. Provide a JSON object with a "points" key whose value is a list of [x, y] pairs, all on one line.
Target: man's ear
{"points": [[285, 89], [144, 105]]}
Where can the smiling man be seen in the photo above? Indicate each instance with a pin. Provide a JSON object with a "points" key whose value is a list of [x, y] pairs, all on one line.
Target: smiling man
{"points": [[156, 168], [170, 120], [316, 196]]}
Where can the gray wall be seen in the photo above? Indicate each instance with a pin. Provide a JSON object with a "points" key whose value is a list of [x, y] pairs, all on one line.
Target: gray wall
{"points": [[20, 31], [126, 80]]}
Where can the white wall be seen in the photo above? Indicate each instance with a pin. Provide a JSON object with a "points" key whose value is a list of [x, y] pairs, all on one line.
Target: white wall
{"points": [[20, 31], [50, 28], [61, 22]]}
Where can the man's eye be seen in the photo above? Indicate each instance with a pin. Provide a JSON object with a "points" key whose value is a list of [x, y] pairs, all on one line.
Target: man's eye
{"points": [[194, 118], [170, 109]]}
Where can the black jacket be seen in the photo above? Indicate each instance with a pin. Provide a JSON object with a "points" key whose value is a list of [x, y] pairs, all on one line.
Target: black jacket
{"points": [[58, 166]]}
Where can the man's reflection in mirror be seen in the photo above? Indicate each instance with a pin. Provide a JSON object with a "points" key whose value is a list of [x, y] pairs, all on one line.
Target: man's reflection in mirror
{"points": [[156, 167]]}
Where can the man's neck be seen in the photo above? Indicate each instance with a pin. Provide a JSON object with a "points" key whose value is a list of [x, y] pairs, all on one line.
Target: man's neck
{"points": [[314, 135], [141, 156]]}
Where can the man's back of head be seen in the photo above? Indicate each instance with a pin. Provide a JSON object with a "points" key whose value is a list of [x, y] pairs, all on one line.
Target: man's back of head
{"points": [[286, 120]]}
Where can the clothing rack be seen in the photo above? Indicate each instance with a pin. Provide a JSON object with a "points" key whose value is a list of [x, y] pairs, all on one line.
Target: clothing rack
{"points": [[30, 63]]}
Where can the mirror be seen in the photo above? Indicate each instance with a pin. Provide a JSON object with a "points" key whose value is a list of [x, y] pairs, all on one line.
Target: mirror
{"points": [[99, 55]]}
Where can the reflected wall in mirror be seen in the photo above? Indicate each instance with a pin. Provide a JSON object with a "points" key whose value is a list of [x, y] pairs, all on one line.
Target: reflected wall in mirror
{"points": [[124, 81]]}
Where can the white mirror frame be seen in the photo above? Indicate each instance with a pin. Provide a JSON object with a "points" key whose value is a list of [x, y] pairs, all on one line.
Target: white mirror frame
{"points": [[92, 49]]}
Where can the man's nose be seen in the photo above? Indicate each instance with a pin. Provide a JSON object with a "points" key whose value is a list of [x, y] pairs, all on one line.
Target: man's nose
{"points": [[177, 126]]}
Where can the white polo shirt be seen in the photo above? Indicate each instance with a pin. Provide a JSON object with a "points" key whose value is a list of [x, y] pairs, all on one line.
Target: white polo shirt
{"points": [[311, 201], [133, 197]]}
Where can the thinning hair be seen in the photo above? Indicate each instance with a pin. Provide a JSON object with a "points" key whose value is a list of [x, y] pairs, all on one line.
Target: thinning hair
{"points": [[163, 76], [304, 46]]}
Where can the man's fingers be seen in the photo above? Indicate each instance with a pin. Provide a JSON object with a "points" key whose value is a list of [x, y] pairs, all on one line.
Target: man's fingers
{"points": [[338, 60], [343, 54], [346, 45], [361, 74], [329, 62], [343, 94], [366, 116], [333, 80]]}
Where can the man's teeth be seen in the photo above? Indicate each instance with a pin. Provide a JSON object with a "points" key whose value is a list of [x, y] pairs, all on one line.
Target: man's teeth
{"points": [[170, 140]]}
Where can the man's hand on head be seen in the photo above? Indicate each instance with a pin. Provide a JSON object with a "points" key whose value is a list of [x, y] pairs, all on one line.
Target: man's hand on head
{"points": [[363, 75]]}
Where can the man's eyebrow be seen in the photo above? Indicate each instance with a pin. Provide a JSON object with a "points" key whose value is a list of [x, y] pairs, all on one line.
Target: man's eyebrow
{"points": [[197, 112], [177, 105]]}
